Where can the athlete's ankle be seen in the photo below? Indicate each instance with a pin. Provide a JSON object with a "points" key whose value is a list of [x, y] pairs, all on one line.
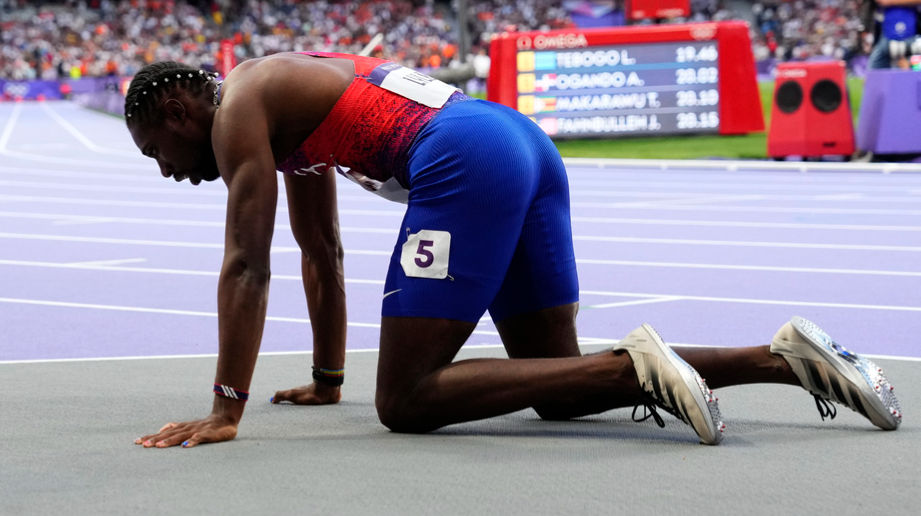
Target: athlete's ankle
{"points": [[623, 372], [777, 366]]}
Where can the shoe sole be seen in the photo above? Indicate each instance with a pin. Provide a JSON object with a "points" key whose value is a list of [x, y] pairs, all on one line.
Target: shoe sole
{"points": [[703, 396], [873, 395]]}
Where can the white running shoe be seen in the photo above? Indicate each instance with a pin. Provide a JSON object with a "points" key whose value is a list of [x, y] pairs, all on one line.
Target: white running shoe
{"points": [[672, 384], [832, 373]]}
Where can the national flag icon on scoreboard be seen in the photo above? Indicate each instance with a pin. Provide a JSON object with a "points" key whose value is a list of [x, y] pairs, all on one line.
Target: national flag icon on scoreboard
{"points": [[545, 61], [545, 104], [525, 61], [529, 104], [526, 104], [526, 83], [549, 125], [546, 81]]}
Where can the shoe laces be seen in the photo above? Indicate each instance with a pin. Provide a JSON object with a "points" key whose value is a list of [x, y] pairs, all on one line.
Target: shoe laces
{"points": [[649, 411], [826, 408], [649, 405]]}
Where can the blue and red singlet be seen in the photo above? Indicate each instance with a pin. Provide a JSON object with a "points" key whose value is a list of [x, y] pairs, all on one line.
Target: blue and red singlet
{"points": [[373, 124]]}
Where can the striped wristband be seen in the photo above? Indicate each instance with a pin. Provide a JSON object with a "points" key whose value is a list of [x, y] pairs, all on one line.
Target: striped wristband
{"points": [[230, 392], [331, 377]]}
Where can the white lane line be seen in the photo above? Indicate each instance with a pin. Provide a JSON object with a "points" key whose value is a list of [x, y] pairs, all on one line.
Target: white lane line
{"points": [[112, 202], [754, 301], [80, 137], [166, 243], [158, 357], [198, 206], [668, 202], [71, 162], [741, 165], [150, 310], [603, 189], [702, 204], [190, 313], [645, 195], [95, 266], [66, 219], [628, 200], [607, 220], [374, 252], [73, 221], [99, 266], [162, 188], [614, 205], [742, 224], [399, 213], [8, 128], [106, 263], [69, 219], [152, 177], [761, 268], [747, 243], [621, 304], [612, 183], [644, 296], [583, 341], [116, 241], [669, 206]]}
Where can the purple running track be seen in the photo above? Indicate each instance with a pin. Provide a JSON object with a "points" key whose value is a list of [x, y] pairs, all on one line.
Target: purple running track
{"points": [[100, 257]]}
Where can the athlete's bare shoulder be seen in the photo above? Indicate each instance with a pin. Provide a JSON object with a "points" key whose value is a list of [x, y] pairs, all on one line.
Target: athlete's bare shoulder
{"points": [[290, 83], [293, 91]]}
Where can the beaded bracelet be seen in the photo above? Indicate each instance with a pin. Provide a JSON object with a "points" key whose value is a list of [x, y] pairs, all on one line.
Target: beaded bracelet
{"points": [[230, 392], [331, 377]]}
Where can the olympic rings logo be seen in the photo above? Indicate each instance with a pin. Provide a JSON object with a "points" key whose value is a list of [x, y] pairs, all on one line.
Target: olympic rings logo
{"points": [[16, 89]]}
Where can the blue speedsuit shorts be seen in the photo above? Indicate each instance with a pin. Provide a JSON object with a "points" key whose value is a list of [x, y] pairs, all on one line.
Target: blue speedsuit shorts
{"points": [[487, 225]]}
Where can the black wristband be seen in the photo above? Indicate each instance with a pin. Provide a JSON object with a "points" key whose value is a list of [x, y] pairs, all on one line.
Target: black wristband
{"points": [[331, 377]]}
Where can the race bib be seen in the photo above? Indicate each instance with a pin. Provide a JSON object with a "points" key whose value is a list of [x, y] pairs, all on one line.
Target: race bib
{"points": [[412, 84], [425, 254]]}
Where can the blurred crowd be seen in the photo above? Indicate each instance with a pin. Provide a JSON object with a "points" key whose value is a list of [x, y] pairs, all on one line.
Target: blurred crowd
{"points": [[72, 39], [803, 29], [78, 38]]}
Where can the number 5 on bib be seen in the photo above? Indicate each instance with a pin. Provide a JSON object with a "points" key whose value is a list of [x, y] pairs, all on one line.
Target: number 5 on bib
{"points": [[425, 254]]}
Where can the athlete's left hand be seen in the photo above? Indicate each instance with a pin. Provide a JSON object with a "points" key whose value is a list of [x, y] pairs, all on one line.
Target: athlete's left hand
{"points": [[313, 394], [211, 429]]}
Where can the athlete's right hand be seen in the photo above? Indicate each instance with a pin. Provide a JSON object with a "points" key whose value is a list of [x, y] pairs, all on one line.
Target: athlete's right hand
{"points": [[211, 429], [313, 394]]}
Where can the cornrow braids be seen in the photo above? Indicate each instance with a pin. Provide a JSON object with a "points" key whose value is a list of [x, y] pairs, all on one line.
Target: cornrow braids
{"points": [[154, 81]]}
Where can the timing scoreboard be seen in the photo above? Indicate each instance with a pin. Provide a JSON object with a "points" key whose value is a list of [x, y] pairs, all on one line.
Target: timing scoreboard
{"points": [[641, 80]]}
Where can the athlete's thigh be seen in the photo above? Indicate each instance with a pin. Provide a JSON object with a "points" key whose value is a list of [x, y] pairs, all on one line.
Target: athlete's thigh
{"points": [[546, 333], [413, 347]]}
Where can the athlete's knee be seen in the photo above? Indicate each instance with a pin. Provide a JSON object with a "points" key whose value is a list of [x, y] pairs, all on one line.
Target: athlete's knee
{"points": [[554, 412], [400, 415]]}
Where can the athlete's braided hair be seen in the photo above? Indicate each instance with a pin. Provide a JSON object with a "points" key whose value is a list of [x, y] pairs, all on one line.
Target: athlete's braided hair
{"points": [[154, 81]]}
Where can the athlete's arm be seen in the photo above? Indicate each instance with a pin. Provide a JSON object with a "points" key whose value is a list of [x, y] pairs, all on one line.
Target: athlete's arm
{"points": [[315, 223], [315, 86], [240, 136]]}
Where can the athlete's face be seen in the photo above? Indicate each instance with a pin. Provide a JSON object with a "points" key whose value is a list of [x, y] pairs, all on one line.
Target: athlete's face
{"points": [[181, 151]]}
